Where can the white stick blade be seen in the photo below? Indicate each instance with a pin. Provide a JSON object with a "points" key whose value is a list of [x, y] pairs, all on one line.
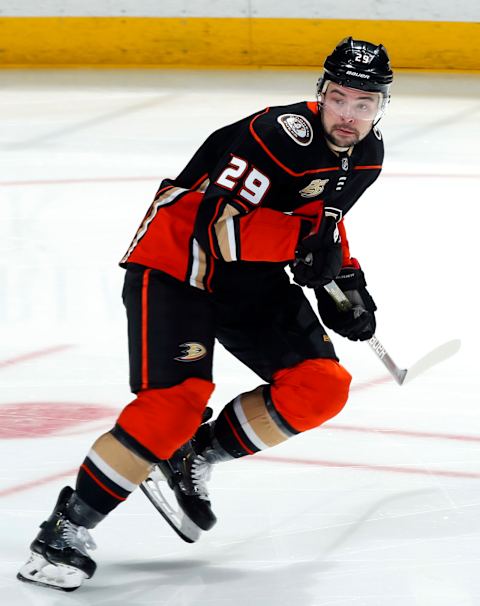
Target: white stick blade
{"points": [[437, 355]]}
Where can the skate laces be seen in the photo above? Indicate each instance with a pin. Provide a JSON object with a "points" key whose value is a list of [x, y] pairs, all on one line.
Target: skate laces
{"points": [[77, 537], [201, 472]]}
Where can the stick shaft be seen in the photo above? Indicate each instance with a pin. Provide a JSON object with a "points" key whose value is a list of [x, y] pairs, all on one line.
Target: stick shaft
{"points": [[343, 304], [379, 350]]}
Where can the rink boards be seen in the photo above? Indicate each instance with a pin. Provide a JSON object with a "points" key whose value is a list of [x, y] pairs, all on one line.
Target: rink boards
{"points": [[436, 35]]}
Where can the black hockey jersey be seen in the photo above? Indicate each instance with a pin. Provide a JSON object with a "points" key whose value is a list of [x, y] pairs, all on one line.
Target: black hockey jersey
{"points": [[250, 192]]}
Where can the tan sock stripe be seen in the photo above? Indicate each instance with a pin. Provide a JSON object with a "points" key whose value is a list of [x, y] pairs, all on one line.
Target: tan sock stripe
{"points": [[121, 460], [257, 423]]}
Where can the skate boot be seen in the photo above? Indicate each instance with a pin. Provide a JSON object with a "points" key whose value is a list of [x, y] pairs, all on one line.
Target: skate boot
{"points": [[59, 557], [187, 474], [178, 490], [186, 506]]}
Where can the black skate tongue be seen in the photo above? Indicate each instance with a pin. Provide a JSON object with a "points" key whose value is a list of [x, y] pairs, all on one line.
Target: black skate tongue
{"points": [[207, 414]]}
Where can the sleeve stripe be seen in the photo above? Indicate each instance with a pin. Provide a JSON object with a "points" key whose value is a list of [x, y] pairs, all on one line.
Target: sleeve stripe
{"points": [[370, 167], [312, 171], [231, 238], [199, 182], [211, 230]]}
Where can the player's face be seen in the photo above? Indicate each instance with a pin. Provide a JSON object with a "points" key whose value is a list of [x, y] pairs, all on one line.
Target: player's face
{"points": [[348, 114]]}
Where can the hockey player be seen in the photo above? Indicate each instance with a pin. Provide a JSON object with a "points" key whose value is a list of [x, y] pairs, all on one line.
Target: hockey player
{"points": [[208, 262]]}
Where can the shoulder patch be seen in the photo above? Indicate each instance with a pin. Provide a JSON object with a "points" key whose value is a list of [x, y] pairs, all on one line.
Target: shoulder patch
{"points": [[297, 127]]}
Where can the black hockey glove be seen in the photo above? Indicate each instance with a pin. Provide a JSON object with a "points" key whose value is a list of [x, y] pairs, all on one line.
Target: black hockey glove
{"points": [[318, 257], [357, 324]]}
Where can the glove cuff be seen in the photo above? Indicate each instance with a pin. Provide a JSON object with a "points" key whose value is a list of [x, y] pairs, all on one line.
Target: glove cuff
{"points": [[352, 262], [351, 278]]}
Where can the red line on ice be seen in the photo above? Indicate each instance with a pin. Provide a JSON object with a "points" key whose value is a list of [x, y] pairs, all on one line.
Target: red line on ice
{"points": [[79, 180], [396, 432], [33, 354], [291, 461], [405, 432], [368, 467], [433, 175], [283, 460], [119, 179], [35, 483], [372, 383]]}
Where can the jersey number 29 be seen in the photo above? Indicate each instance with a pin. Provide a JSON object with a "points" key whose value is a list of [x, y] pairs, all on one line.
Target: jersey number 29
{"points": [[254, 185]]}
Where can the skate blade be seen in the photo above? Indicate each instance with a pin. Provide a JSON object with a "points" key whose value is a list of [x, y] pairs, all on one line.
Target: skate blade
{"points": [[162, 497], [40, 571]]}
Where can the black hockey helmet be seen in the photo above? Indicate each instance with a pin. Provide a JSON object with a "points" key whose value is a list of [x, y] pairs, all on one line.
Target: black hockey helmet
{"points": [[358, 64]]}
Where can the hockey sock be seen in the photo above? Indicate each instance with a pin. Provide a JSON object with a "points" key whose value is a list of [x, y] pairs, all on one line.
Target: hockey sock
{"points": [[250, 423], [110, 472], [300, 397]]}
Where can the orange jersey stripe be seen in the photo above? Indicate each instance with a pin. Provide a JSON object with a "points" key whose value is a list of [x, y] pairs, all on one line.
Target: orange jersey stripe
{"points": [[146, 278], [243, 205], [211, 227], [311, 171], [197, 183], [208, 281], [371, 167]]}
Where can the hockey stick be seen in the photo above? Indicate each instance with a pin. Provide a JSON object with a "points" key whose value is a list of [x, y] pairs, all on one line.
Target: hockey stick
{"points": [[401, 375]]}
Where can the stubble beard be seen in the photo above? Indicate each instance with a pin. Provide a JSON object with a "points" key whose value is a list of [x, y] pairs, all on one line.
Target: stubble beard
{"points": [[344, 141]]}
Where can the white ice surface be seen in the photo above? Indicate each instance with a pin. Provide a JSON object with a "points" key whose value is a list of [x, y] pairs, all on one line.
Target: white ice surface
{"points": [[385, 516]]}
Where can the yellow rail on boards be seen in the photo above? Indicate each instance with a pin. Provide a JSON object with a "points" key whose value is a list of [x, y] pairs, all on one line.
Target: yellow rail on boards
{"points": [[149, 41]]}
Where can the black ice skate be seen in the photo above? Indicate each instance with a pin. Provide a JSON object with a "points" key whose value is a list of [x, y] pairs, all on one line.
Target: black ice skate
{"points": [[185, 504], [186, 507], [59, 557]]}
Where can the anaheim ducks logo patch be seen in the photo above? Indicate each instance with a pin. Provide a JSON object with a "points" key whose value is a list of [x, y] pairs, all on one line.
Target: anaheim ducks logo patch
{"points": [[297, 127], [314, 188], [192, 352]]}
